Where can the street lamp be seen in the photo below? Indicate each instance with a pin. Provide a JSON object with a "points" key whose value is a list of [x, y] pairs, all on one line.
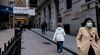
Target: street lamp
{"points": [[97, 16]]}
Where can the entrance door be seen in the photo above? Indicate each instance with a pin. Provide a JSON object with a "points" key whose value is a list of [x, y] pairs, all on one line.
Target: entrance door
{"points": [[67, 28]]}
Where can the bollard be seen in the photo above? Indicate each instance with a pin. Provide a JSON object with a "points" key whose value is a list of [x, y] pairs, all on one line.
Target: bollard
{"points": [[5, 48], [11, 40], [20, 45], [16, 32], [0, 51], [8, 44], [17, 51]]}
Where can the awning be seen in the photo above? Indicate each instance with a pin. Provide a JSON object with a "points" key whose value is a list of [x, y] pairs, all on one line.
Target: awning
{"points": [[6, 9]]}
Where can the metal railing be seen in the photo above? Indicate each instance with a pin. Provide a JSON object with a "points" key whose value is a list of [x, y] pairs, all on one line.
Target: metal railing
{"points": [[13, 47]]}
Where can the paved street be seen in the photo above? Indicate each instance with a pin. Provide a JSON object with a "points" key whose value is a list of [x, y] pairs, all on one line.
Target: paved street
{"points": [[33, 44]]}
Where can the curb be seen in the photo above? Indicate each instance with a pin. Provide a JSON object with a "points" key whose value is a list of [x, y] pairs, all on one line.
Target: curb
{"points": [[74, 53]]}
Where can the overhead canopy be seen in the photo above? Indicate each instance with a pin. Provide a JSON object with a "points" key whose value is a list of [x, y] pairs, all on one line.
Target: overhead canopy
{"points": [[6, 9]]}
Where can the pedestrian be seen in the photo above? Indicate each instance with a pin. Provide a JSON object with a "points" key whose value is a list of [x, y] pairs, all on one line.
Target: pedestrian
{"points": [[43, 28], [87, 39], [23, 27], [59, 37], [45, 25]]}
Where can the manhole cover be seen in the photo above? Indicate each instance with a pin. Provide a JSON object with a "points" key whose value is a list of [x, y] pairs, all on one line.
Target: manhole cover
{"points": [[46, 43]]}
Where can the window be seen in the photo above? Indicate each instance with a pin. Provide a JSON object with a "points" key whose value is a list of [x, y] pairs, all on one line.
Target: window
{"points": [[99, 1], [69, 4], [11, 2], [87, 0], [32, 3]]}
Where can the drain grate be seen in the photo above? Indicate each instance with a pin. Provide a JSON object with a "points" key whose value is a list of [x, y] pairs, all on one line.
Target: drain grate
{"points": [[46, 43]]}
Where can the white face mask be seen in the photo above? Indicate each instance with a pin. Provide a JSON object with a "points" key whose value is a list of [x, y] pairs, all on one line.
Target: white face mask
{"points": [[90, 25]]}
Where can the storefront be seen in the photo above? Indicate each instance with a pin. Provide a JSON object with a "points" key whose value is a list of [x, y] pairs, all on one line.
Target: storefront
{"points": [[5, 13]]}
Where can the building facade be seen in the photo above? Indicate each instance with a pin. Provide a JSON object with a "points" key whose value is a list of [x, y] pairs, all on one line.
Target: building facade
{"points": [[5, 12], [4, 2], [22, 11], [46, 11], [74, 12], [71, 13]]}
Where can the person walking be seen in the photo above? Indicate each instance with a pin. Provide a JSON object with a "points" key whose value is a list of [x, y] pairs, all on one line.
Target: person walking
{"points": [[43, 28], [59, 37], [45, 25], [87, 39]]}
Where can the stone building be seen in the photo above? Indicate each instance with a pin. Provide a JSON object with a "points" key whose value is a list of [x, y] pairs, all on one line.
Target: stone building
{"points": [[74, 12], [46, 10], [20, 11], [70, 12], [4, 2]]}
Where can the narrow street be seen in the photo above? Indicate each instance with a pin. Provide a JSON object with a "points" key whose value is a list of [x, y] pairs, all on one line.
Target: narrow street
{"points": [[23, 23], [33, 44]]}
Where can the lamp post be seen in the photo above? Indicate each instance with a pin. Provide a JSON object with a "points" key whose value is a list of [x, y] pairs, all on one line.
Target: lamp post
{"points": [[97, 16]]}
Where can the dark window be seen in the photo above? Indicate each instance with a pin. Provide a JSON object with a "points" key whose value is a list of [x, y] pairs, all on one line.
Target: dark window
{"points": [[69, 4], [87, 0], [11, 2], [32, 3], [67, 28]]}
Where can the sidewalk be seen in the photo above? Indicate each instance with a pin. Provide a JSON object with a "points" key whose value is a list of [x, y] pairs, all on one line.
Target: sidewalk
{"points": [[5, 35], [70, 41]]}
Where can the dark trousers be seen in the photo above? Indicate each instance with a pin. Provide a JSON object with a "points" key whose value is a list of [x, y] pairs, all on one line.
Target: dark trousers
{"points": [[43, 31], [60, 46], [91, 51]]}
